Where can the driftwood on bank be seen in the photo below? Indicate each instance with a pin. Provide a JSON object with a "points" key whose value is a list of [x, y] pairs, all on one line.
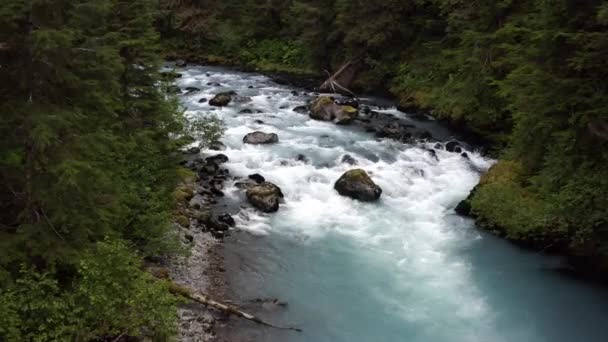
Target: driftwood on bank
{"points": [[228, 309], [340, 81]]}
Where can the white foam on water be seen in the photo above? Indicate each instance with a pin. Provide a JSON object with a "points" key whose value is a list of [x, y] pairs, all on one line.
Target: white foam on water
{"points": [[405, 234]]}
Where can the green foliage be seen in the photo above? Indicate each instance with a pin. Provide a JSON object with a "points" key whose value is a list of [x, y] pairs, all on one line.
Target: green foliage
{"points": [[110, 295], [502, 204], [87, 153], [206, 130], [271, 54]]}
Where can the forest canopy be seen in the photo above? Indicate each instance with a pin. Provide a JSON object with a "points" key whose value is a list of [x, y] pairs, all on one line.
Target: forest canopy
{"points": [[87, 169]]}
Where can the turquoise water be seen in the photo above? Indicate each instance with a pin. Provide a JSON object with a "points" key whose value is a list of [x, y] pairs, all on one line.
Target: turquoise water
{"points": [[403, 269]]}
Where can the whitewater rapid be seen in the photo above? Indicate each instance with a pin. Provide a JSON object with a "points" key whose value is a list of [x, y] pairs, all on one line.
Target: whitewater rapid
{"points": [[405, 259]]}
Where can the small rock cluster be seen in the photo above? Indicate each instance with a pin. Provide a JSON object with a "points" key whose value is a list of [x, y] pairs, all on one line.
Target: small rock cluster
{"points": [[197, 196]]}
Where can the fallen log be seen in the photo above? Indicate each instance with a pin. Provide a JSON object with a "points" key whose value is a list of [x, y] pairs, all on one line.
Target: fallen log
{"points": [[228, 309], [340, 81]]}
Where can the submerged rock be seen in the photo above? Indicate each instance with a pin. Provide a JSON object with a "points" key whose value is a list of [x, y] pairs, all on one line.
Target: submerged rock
{"points": [[192, 89], [358, 185], [348, 159], [265, 197], [258, 138], [241, 99], [395, 130], [302, 158], [453, 146], [301, 109]]}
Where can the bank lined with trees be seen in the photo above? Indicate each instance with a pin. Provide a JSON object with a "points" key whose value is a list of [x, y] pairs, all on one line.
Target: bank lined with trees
{"points": [[88, 167], [527, 76], [90, 138]]}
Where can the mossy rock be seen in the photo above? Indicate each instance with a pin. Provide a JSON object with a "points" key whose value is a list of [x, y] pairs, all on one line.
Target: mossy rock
{"points": [[345, 115], [358, 185], [182, 221], [186, 176], [183, 194], [323, 108], [265, 197]]}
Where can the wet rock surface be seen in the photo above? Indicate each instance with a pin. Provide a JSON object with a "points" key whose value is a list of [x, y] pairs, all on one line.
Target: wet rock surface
{"points": [[265, 197], [222, 99], [261, 138], [358, 185]]}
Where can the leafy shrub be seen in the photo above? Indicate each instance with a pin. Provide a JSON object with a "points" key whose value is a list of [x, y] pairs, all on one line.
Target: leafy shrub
{"points": [[111, 295]]}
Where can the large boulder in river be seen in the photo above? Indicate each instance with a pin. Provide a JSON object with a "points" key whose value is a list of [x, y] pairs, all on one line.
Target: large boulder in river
{"points": [[221, 99], [259, 138], [324, 108], [265, 197], [358, 185]]}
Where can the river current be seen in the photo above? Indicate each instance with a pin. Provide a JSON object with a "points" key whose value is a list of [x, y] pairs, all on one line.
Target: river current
{"points": [[406, 268]]}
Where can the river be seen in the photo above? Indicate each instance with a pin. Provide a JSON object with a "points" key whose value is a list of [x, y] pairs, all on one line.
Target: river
{"points": [[403, 269]]}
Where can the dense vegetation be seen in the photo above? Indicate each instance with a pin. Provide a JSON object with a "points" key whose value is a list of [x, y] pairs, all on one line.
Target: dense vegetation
{"points": [[87, 168], [527, 75]]}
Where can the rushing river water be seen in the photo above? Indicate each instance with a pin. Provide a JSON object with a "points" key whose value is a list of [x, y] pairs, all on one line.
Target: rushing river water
{"points": [[403, 269]]}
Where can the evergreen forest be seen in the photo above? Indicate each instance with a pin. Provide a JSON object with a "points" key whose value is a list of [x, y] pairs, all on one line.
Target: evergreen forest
{"points": [[90, 136]]}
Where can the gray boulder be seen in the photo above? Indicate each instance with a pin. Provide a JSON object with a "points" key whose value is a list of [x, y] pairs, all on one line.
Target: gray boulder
{"points": [[259, 138]]}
